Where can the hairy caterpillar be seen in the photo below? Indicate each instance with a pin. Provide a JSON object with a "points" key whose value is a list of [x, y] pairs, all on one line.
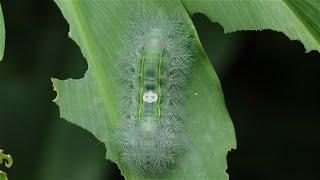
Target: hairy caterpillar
{"points": [[152, 70]]}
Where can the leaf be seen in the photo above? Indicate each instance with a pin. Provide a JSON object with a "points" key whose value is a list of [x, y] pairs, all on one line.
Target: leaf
{"points": [[2, 34], [98, 28], [7, 160], [298, 19]]}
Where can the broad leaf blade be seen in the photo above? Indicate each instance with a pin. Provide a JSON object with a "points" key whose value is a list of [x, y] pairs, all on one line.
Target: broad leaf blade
{"points": [[298, 19], [98, 28]]}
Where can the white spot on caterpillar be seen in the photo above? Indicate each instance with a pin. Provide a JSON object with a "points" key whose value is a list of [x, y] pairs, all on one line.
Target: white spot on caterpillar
{"points": [[150, 97]]}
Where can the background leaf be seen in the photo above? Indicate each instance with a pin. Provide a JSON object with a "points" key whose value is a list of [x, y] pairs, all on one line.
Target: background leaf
{"points": [[97, 27], [2, 34], [2, 42], [298, 19]]}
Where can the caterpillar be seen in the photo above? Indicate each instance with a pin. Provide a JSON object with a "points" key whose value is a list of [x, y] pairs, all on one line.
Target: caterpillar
{"points": [[152, 70]]}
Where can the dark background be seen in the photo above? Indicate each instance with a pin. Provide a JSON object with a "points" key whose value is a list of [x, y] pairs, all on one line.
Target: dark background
{"points": [[270, 85]]}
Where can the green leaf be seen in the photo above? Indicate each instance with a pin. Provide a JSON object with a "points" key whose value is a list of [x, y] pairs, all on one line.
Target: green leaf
{"points": [[3, 176], [7, 160], [2, 34], [98, 28], [298, 19]]}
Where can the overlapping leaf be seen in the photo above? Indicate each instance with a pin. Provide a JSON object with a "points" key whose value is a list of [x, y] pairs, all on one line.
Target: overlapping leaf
{"points": [[297, 19], [2, 34]]}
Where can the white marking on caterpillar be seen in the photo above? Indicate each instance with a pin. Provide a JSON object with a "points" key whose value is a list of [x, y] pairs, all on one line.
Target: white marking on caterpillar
{"points": [[154, 62], [150, 97]]}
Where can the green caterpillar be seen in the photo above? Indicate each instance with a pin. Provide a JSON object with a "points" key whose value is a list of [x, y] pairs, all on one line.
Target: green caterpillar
{"points": [[152, 70]]}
